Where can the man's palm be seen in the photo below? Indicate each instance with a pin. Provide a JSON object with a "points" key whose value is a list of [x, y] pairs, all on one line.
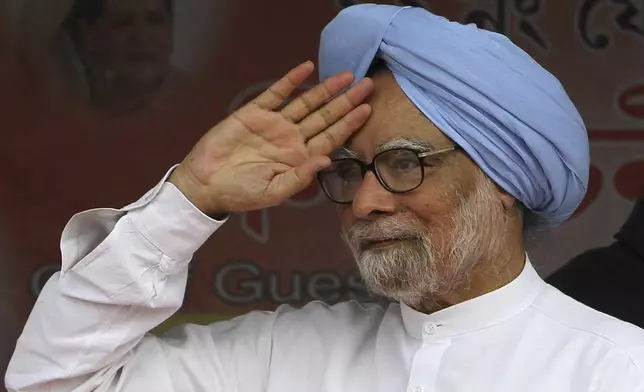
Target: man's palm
{"points": [[260, 156]]}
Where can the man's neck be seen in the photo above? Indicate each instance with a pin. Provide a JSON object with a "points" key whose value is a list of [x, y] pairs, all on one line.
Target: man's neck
{"points": [[484, 278]]}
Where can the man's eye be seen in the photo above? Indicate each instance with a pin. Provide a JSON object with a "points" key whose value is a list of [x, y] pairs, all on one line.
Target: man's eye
{"points": [[347, 171], [404, 164]]}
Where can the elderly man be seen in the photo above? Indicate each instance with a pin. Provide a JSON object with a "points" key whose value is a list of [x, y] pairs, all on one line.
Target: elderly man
{"points": [[463, 140]]}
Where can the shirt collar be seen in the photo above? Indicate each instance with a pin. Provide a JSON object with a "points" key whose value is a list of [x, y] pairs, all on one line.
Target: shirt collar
{"points": [[632, 233], [477, 313]]}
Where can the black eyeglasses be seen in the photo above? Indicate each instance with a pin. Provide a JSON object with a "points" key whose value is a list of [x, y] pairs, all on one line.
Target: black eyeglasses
{"points": [[399, 170]]}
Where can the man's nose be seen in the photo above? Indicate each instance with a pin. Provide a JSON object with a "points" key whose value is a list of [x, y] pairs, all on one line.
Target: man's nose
{"points": [[372, 199]]}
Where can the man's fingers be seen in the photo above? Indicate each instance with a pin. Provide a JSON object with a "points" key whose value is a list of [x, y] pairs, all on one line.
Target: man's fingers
{"points": [[298, 178], [277, 93], [336, 109], [311, 100], [336, 135]]}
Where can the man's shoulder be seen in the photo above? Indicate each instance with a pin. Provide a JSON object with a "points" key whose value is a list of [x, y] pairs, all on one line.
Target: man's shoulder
{"points": [[318, 317], [592, 324], [341, 312]]}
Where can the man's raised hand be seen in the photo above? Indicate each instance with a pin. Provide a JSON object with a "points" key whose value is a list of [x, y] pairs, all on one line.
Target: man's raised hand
{"points": [[264, 153]]}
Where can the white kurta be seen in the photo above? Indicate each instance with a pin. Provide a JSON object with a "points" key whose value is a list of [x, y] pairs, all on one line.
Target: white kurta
{"points": [[125, 271]]}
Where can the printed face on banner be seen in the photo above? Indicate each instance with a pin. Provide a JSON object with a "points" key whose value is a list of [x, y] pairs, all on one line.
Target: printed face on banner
{"points": [[131, 40], [119, 56]]}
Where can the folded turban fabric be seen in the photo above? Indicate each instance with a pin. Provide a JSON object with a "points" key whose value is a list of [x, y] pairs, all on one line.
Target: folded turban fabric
{"points": [[509, 114]]}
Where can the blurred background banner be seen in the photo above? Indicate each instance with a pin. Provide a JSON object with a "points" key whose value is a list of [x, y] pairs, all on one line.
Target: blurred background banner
{"points": [[100, 97]]}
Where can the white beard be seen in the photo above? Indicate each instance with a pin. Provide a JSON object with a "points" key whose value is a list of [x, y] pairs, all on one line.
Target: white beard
{"points": [[419, 270]]}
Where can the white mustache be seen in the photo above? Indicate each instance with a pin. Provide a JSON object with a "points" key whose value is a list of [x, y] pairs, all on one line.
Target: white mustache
{"points": [[384, 229]]}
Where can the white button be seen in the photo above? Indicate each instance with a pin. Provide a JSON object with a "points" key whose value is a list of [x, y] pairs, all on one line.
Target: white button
{"points": [[419, 389], [431, 328]]}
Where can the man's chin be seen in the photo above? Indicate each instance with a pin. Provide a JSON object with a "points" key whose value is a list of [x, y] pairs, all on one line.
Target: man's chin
{"points": [[391, 291], [389, 285]]}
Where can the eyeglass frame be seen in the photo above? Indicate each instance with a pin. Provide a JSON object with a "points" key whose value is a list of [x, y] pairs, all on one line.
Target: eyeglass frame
{"points": [[365, 167]]}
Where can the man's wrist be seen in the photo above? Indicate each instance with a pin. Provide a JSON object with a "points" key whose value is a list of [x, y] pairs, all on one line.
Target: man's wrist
{"points": [[195, 194]]}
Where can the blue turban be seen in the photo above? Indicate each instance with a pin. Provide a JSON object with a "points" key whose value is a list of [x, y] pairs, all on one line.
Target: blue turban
{"points": [[510, 115]]}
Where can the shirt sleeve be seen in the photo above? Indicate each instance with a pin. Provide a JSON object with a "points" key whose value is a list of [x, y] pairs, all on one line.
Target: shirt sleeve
{"points": [[123, 273]]}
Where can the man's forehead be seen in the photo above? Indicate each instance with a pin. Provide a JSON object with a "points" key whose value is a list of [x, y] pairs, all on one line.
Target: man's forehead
{"points": [[414, 143], [394, 117], [384, 131]]}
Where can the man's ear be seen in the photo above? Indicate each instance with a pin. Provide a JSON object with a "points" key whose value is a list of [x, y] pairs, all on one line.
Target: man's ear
{"points": [[508, 201]]}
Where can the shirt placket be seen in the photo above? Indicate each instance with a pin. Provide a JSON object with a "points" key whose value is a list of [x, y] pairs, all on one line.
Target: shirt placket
{"points": [[427, 360]]}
